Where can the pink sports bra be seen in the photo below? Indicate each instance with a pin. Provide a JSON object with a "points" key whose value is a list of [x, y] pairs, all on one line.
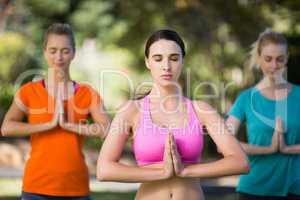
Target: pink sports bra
{"points": [[149, 139]]}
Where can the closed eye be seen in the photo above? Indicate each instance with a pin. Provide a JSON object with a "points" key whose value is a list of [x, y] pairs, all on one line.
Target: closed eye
{"points": [[66, 51], [268, 58], [157, 58], [174, 57]]}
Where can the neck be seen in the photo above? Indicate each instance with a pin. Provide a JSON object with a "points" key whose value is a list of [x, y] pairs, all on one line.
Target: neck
{"points": [[57, 76], [273, 83], [166, 92]]}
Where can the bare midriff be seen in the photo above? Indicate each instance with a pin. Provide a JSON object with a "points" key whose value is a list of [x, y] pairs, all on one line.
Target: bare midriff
{"points": [[175, 188]]}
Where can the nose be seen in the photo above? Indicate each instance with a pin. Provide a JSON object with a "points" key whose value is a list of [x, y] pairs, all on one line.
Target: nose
{"points": [[166, 65], [58, 56]]}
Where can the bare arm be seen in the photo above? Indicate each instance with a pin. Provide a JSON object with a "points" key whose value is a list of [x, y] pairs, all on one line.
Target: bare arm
{"points": [[233, 125], [285, 149], [108, 166], [98, 129], [13, 124], [234, 161], [291, 149]]}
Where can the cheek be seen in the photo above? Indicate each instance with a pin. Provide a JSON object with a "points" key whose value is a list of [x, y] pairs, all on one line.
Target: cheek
{"points": [[282, 64], [263, 67], [178, 67], [153, 64], [70, 58], [48, 58], [154, 70]]}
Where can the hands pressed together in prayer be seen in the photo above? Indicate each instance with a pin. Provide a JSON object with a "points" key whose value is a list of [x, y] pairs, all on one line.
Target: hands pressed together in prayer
{"points": [[173, 165], [278, 141]]}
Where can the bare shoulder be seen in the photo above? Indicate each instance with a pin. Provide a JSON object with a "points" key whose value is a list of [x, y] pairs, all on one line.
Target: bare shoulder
{"points": [[129, 111], [202, 107]]}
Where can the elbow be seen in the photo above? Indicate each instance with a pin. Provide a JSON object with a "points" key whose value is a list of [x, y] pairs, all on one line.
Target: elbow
{"points": [[101, 176], [247, 168], [244, 165], [4, 130], [102, 172]]}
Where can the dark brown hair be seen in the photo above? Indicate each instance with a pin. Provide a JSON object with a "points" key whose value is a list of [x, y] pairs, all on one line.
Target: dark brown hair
{"points": [[167, 35]]}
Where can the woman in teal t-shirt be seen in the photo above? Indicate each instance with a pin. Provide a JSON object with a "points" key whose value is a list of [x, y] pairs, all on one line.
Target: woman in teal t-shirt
{"points": [[271, 111]]}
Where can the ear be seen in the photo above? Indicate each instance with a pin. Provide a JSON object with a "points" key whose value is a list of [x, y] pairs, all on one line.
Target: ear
{"points": [[147, 63]]}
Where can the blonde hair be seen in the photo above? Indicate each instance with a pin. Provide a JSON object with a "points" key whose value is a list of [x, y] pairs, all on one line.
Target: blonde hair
{"points": [[266, 37]]}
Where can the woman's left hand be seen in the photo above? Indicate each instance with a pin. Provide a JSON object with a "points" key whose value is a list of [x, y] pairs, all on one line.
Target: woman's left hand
{"points": [[62, 120], [282, 145], [178, 165], [63, 123]]}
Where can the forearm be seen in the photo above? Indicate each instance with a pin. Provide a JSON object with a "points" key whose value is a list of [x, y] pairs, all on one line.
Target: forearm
{"points": [[256, 150], [95, 129], [291, 149], [122, 173], [229, 165], [13, 128]]}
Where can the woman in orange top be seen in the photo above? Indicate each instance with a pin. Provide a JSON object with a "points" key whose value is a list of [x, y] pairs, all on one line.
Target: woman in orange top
{"points": [[56, 111]]}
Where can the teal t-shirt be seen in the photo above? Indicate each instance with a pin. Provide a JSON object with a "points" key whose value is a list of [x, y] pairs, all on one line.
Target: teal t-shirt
{"points": [[275, 174]]}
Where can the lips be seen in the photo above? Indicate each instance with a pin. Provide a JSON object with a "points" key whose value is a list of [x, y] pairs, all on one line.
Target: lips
{"points": [[167, 76]]}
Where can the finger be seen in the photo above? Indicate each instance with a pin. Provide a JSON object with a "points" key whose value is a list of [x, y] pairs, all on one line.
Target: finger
{"points": [[170, 138], [174, 147], [167, 148], [173, 142], [175, 154], [61, 119], [168, 143], [61, 105], [278, 126]]}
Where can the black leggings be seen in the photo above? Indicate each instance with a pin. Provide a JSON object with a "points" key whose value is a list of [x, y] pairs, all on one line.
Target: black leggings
{"points": [[243, 196]]}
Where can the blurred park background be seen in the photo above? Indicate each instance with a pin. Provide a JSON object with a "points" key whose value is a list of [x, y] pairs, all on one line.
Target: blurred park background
{"points": [[110, 37]]}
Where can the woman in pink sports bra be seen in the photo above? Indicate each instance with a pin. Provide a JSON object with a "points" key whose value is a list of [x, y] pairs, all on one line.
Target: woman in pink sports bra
{"points": [[167, 133]]}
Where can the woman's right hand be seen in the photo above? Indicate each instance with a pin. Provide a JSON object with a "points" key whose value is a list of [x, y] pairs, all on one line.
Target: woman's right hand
{"points": [[276, 134], [168, 162], [57, 112]]}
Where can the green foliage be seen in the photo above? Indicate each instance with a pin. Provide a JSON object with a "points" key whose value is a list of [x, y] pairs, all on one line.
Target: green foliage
{"points": [[15, 52], [49, 8]]}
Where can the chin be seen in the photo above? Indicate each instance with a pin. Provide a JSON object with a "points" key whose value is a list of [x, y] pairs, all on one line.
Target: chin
{"points": [[168, 83], [63, 67]]}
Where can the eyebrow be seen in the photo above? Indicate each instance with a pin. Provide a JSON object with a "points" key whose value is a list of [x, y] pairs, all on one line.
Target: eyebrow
{"points": [[173, 54], [54, 48], [268, 56]]}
